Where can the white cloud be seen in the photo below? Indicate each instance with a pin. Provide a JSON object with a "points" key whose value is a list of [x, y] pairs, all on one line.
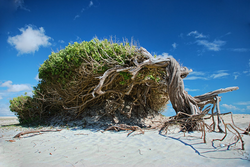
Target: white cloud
{"points": [[76, 17], [13, 5], [213, 46], [61, 41], [197, 73], [243, 103], [240, 49], [195, 78], [191, 90], [220, 73], [174, 45], [37, 78], [16, 87], [236, 74], [165, 55], [91, 4], [201, 75], [196, 34], [248, 107], [30, 40], [230, 107]]}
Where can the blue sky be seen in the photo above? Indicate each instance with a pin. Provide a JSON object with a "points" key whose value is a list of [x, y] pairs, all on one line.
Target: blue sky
{"points": [[212, 37]]}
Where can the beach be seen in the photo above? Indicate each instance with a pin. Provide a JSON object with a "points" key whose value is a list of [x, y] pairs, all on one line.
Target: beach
{"points": [[78, 146]]}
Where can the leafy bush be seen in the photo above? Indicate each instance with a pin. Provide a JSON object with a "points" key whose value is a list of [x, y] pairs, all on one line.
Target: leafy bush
{"points": [[22, 106], [70, 77]]}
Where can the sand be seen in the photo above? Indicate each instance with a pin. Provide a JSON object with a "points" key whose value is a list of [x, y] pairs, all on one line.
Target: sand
{"points": [[90, 147]]}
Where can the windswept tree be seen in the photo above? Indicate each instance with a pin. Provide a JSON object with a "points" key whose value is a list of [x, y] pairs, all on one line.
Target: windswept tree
{"points": [[123, 79]]}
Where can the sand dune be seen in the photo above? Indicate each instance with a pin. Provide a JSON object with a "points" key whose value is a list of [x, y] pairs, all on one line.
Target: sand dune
{"points": [[91, 147]]}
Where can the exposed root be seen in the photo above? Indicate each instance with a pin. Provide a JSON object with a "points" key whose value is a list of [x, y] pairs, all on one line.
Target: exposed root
{"points": [[125, 127], [197, 123], [247, 131]]}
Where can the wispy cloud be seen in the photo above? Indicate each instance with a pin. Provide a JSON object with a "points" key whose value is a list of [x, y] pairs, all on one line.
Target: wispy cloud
{"points": [[30, 40], [16, 87], [91, 3], [236, 74], [14, 5], [174, 45], [240, 49], [195, 75], [191, 90], [212, 46], [219, 74], [61, 41], [196, 34], [195, 78], [76, 16]]}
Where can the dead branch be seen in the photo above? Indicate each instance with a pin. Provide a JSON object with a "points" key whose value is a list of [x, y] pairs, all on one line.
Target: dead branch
{"points": [[19, 135], [124, 127]]}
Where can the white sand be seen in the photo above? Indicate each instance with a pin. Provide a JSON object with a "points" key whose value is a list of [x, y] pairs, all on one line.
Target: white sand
{"points": [[71, 147]]}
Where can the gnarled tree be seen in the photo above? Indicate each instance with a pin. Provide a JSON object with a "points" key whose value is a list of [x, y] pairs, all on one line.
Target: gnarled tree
{"points": [[121, 78]]}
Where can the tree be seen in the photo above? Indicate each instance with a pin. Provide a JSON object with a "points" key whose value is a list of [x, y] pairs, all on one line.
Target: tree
{"points": [[120, 77]]}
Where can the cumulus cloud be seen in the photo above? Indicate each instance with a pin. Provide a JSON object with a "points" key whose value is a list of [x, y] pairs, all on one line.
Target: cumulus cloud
{"points": [[230, 107], [213, 46], [196, 34], [16, 87], [30, 40], [165, 55]]}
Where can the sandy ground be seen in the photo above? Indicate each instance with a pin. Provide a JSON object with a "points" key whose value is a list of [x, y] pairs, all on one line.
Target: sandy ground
{"points": [[90, 147]]}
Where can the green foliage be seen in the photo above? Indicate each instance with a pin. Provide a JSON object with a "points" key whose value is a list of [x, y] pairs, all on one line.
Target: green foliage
{"points": [[61, 67], [22, 107], [126, 76]]}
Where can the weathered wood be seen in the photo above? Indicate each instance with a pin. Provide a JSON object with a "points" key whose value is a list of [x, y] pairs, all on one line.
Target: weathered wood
{"points": [[34, 131]]}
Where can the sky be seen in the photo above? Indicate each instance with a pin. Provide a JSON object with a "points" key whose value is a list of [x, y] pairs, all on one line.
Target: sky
{"points": [[211, 37]]}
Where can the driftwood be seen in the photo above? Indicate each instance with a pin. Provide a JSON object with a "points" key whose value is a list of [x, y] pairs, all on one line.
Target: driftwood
{"points": [[19, 135], [125, 127]]}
